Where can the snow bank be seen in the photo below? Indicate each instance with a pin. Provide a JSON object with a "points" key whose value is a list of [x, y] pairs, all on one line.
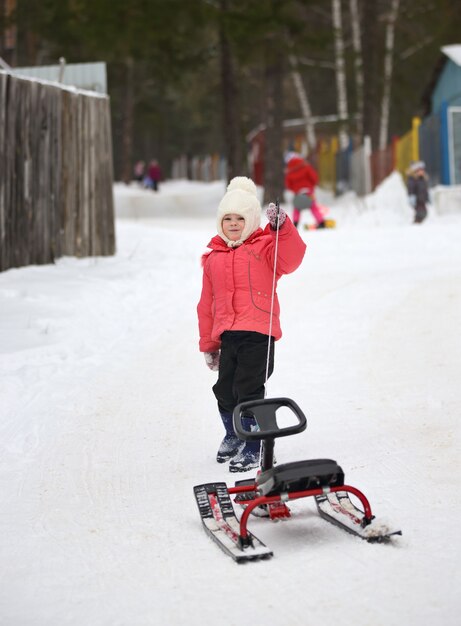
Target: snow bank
{"points": [[174, 199], [447, 199]]}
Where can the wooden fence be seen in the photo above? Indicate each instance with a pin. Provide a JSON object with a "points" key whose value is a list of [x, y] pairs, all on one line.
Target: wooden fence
{"points": [[56, 176]]}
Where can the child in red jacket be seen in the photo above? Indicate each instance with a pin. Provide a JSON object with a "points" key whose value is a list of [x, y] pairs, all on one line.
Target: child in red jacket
{"points": [[301, 178], [234, 312]]}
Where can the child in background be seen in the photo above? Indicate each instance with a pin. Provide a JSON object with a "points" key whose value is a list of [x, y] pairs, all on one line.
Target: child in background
{"points": [[154, 176], [139, 170], [235, 305], [417, 187], [301, 178]]}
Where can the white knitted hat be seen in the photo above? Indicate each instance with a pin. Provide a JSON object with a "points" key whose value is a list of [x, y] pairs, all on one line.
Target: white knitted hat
{"points": [[417, 165], [240, 198]]}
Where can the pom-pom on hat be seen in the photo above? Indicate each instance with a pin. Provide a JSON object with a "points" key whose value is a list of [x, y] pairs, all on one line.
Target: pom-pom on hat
{"points": [[240, 198]]}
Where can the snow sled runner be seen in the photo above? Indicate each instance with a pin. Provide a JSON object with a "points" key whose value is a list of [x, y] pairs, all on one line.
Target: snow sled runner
{"points": [[267, 494]]}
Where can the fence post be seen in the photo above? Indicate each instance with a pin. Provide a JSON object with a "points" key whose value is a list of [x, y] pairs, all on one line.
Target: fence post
{"points": [[444, 144], [415, 124], [395, 147], [367, 164]]}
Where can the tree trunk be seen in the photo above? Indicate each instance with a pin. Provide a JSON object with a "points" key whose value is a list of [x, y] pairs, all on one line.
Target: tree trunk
{"points": [[358, 65], [232, 131], [128, 122], [388, 67], [273, 151], [8, 34], [340, 74], [371, 71]]}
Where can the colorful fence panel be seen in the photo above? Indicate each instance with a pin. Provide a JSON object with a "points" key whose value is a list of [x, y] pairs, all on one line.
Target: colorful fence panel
{"points": [[327, 163], [343, 169], [382, 163], [360, 169], [454, 130], [407, 149], [430, 148]]}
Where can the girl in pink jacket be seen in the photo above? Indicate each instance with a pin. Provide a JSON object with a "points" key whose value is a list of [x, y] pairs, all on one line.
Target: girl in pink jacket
{"points": [[235, 304]]}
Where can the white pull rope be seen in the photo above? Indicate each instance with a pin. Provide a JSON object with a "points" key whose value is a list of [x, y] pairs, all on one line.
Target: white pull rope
{"points": [[272, 297]]}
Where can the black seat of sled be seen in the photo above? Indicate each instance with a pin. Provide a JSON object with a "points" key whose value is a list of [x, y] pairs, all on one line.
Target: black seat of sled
{"points": [[264, 411], [300, 476]]}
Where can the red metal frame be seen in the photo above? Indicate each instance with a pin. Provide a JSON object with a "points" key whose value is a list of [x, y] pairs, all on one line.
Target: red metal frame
{"points": [[261, 500]]}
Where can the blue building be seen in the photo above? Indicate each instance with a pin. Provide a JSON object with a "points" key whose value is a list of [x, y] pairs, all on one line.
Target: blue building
{"points": [[440, 130]]}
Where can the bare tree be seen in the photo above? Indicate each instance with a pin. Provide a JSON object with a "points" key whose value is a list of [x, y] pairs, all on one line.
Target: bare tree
{"points": [[371, 70], [303, 103], [388, 67], [358, 63], [340, 72]]}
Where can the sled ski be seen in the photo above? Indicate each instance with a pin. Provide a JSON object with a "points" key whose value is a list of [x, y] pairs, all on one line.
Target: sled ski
{"points": [[220, 523], [339, 509]]}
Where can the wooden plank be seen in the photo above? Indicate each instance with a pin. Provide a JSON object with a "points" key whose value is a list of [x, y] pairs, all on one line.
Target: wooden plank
{"points": [[3, 240], [12, 221]]}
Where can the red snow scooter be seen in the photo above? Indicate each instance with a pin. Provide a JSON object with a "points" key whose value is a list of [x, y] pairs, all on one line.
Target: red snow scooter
{"points": [[267, 494]]}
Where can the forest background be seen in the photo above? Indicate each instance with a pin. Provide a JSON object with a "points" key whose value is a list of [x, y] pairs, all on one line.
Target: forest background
{"points": [[195, 77]]}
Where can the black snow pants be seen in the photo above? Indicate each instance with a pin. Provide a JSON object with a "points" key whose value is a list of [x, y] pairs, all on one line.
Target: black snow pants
{"points": [[242, 368]]}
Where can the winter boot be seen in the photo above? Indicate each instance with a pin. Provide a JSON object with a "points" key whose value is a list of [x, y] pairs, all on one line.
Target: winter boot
{"points": [[248, 457], [231, 444]]}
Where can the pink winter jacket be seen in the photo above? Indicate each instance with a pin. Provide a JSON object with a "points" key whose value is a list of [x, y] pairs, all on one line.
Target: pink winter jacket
{"points": [[237, 283]]}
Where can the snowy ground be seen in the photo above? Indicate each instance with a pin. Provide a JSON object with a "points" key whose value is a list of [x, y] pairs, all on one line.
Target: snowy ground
{"points": [[108, 420]]}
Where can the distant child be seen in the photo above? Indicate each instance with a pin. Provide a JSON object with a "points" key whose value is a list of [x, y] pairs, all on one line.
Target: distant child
{"points": [[301, 178], [139, 171], [417, 187], [235, 304], [154, 176]]}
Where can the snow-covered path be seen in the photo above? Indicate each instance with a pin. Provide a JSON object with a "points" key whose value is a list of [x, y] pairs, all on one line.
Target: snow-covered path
{"points": [[108, 420]]}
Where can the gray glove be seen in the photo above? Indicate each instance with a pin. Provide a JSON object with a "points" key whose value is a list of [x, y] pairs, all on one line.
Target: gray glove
{"points": [[212, 360]]}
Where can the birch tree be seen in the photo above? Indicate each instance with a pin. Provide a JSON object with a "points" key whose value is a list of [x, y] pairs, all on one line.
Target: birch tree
{"points": [[371, 71], [388, 67], [340, 72], [303, 103], [358, 63]]}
